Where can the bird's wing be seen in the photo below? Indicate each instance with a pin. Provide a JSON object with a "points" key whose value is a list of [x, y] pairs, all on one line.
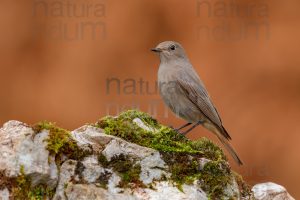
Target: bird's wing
{"points": [[195, 91]]}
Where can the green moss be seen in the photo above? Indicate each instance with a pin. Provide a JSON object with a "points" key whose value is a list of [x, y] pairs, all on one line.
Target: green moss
{"points": [[121, 163], [5, 182], [214, 177], [181, 155], [79, 170], [40, 193], [60, 142], [103, 160], [103, 179], [164, 139], [22, 189], [58, 137], [131, 176], [182, 167], [244, 188], [209, 149], [128, 170]]}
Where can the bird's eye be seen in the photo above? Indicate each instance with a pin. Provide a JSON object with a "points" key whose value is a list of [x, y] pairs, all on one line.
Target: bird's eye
{"points": [[172, 47]]}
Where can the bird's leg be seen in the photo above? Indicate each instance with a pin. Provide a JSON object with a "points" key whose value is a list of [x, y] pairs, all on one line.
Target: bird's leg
{"points": [[181, 127], [194, 126]]}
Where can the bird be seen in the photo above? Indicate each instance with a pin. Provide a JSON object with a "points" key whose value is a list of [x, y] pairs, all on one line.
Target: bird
{"points": [[184, 93]]}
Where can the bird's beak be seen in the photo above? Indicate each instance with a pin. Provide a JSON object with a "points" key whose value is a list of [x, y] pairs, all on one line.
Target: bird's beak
{"points": [[157, 50]]}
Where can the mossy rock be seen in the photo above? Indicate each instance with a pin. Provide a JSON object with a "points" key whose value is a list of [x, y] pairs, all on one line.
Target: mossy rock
{"points": [[59, 142], [21, 188], [163, 138], [180, 154]]}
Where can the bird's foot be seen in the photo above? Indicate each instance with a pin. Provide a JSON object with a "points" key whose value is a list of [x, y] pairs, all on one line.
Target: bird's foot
{"points": [[171, 127], [175, 129]]}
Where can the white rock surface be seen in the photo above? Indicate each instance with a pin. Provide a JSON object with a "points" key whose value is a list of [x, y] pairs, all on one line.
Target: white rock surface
{"points": [[4, 194], [91, 138], [67, 189], [92, 169], [270, 191], [20, 146], [166, 191], [118, 146], [141, 124], [152, 168], [91, 192], [67, 170], [232, 190]]}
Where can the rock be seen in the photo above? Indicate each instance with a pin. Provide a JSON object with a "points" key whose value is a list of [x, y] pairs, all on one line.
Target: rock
{"points": [[141, 124], [270, 191], [20, 146], [152, 168], [131, 156], [72, 187], [91, 169], [84, 192], [80, 191], [67, 171], [150, 160], [91, 138], [117, 146], [4, 194], [232, 190], [166, 191]]}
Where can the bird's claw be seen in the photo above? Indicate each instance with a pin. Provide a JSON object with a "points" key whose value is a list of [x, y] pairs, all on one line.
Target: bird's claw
{"points": [[175, 129], [178, 131]]}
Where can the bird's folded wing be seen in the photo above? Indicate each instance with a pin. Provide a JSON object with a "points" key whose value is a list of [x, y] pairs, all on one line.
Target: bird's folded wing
{"points": [[196, 93]]}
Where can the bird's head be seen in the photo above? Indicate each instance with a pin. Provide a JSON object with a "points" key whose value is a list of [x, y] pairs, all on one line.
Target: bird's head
{"points": [[169, 51]]}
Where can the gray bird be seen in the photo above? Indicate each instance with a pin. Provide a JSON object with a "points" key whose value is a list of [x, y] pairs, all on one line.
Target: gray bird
{"points": [[184, 93]]}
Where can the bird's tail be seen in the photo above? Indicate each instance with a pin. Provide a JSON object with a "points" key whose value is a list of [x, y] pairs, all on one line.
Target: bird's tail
{"points": [[230, 150], [221, 134]]}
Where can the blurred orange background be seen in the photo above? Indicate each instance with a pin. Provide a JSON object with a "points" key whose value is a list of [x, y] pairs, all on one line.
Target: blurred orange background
{"points": [[61, 60]]}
